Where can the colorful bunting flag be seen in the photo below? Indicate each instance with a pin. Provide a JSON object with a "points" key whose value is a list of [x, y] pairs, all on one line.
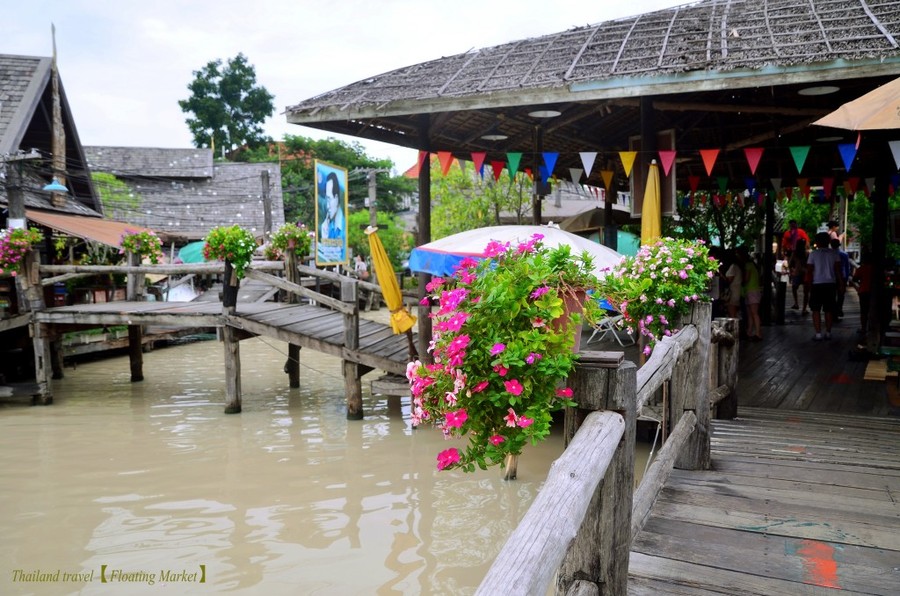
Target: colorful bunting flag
{"points": [[550, 158], [828, 186], [709, 159], [607, 176], [870, 186], [497, 167], [776, 184], [895, 151], [575, 175], [446, 160], [627, 158], [723, 183], [478, 158], [513, 159], [799, 154], [423, 156], [848, 154], [803, 184], [587, 160], [694, 182], [667, 158], [753, 155]]}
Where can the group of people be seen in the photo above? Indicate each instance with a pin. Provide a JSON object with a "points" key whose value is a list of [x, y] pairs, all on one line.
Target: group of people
{"points": [[824, 273]]}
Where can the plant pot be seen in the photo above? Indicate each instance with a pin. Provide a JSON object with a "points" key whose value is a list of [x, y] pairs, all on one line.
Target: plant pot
{"points": [[573, 304]]}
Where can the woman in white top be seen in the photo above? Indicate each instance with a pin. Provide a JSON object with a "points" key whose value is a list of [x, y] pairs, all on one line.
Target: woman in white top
{"points": [[735, 277]]}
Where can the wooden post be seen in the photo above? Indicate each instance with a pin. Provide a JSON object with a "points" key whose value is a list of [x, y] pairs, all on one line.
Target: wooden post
{"points": [[351, 370], [690, 389], [727, 409], [232, 346], [292, 274], [135, 293], [29, 282], [600, 551]]}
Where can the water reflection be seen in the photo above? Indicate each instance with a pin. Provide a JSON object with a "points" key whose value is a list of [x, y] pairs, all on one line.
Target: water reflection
{"points": [[288, 496]]}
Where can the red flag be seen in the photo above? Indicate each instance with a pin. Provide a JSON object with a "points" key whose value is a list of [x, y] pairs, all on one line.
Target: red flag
{"points": [[694, 181], [497, 166], [667, 158], [478, 159], [446, 159], [753, 154], [709, 159]]}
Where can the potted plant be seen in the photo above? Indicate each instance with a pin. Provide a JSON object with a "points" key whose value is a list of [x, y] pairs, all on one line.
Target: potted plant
{"points": [[14, 244], [290, 236], [503, 343], [144, 243], [230, 243], [657, 286]]}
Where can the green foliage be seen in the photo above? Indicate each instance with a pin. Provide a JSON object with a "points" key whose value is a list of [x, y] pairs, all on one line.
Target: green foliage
{"points": [[809, 214], [729, 220], [502, 342], [293, 236], [144, 243], [227, 105], [233, 244], [463, 200], [298, 175], [397, 242], [859, 217], [117, 198]]}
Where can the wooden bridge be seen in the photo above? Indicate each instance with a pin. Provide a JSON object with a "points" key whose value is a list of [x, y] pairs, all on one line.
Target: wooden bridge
{"points": [[324, 323]]}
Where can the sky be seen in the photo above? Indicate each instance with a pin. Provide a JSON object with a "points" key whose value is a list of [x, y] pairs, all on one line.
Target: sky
{"points": [[124, 65]]}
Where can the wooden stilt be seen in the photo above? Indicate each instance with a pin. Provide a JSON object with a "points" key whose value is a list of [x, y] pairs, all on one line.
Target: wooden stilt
{"points": [[56, 358], [292, 274], [510, 467], [136, 352], [30, 287], [351, 370], [232, 346], [293, 365]]}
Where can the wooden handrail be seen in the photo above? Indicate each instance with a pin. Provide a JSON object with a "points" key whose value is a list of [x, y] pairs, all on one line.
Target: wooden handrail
{"points": [[283, 284], [659, 367]]}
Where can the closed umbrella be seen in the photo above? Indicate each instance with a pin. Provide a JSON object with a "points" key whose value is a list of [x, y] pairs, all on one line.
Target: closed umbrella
{"points": [[401, 320], [876, 110], [651, 222]]}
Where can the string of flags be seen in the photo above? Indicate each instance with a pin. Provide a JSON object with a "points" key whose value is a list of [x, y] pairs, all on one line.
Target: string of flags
{"points": [[753, 155]]}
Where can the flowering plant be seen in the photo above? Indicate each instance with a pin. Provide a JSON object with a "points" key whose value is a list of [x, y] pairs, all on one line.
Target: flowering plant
{"points": [[501, 345], [144, 243], [289, 236], [13, 246], [233, 244], [656, 287]]}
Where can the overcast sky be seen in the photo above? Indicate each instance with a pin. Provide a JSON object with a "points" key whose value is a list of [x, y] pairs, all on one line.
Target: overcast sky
{"points": [[125, 65]]}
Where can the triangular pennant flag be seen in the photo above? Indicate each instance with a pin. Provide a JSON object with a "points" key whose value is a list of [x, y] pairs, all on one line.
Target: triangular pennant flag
{"points": [[530, 174], [709, 159], [776, 184], [545, 174], [478, 159], [497, 167], [513, 159], [848, 154], [423, 155], [575, 174], [627, 158], [550, 162], [667, 158], [870, 185], [462, 165], [607, 176], [799, 154], [895, 150], [587, 160], [723, 183], [895, 181], [803, 184], [851, 185], [789, 192], [753, 155], [694, 181], [750, 184], [446, 159], [827, 186]]}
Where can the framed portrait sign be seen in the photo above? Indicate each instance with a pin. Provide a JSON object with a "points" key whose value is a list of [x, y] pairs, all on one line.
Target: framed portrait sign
{"points": [[331, 214]]}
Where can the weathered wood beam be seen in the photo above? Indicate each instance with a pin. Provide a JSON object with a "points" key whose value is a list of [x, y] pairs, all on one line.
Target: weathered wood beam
{"points": [[293, 288]]}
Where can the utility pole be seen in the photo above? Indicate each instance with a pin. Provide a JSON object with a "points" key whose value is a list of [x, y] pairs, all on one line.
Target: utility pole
{"points": [[14, 197], [372, 198]]}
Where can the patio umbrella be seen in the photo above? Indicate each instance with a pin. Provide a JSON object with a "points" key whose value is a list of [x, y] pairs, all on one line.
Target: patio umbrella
{"points": [[651, 224], [876, 110], [441, 256], [192, 252], [593, 219], [401, 320]]}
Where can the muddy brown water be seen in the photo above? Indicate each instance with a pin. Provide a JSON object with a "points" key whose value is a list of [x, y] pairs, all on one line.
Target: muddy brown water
{"points": [[132, 488]]}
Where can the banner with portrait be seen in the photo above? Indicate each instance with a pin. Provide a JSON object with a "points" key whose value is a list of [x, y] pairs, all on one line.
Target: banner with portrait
{"points": [[331, 214]]}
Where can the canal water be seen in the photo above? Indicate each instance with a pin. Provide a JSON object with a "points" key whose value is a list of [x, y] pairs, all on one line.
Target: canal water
{"points": [[139, 488]]}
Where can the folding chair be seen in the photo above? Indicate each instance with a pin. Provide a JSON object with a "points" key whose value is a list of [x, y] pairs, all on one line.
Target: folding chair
{"points": [[612, 323]]}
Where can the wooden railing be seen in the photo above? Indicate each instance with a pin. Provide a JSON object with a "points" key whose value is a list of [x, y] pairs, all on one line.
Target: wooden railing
{"points": [[580, 527]]}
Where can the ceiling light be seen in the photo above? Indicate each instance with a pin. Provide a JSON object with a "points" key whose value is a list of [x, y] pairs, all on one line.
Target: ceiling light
{"points": [[820, 90], [494, 136], [544, 114], [55, 186]]}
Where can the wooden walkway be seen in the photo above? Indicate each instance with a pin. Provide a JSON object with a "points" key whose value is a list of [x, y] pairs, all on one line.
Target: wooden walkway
{"points": [[305, 325], [804, 492]]}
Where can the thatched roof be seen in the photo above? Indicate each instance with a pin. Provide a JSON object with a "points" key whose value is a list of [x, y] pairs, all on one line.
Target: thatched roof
{"points": [[719, 73]]}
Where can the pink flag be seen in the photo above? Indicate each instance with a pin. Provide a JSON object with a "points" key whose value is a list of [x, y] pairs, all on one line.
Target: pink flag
{"points": [[667, 158], [753, 154]]}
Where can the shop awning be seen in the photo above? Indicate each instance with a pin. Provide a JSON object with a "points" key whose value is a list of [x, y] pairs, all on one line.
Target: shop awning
{"points": [[105, 231]]}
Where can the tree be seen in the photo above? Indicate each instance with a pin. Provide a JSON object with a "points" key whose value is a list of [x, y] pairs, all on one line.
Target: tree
{"points": [[227, 105], [729, 220], [809, 214], [397, 242]]}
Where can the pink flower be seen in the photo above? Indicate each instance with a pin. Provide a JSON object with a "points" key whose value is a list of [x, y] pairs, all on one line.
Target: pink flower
{"points": [[538, 322], [434, 284], [467, 263], [567, 392], [524, 422], [533, 357], [540, 292], [496, 439], [447, 458], [495, 249], [480, 387], [513, 386], [497, 349], [511, 418], [456, 419], [501, 370], [454, 323]]}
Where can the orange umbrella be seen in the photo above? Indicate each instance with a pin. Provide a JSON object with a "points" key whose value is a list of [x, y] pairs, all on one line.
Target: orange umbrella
{"points": [[651, 218], [876, 110], [401, 320]]}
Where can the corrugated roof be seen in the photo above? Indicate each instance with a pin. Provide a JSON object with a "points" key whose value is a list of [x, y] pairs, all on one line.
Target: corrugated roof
{"points": [[105, 231]]}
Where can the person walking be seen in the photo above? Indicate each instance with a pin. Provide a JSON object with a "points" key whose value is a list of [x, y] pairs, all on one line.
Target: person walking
{"points": [[734, 275], [797, 267], [824, 265], [845, 278], [791, 236], [752, 289]]}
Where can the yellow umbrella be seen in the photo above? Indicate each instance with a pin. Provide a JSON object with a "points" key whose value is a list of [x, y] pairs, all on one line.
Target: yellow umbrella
{"points": [[401, 320], [651, 224]]}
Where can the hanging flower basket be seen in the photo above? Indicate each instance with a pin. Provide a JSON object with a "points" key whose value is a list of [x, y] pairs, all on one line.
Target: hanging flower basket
{"points": [[144, 243], [296, 237], [14, 244], [233, 244]]}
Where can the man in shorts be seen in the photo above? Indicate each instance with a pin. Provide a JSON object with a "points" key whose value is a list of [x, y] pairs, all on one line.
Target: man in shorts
{"points": [[825, 266]]}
